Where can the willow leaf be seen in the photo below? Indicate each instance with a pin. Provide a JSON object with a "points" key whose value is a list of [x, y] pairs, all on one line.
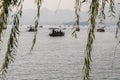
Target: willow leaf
{"points": [[12, 43], [118, 29], [77, 17], [93, 12], [38, 3]]}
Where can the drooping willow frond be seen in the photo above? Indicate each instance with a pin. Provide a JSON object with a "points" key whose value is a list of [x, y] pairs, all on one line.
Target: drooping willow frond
{"points": [[35, 36], [93, 12], [38, 2], [101, 11], [13, 41], [77, 17], [84, 1], [118, 28], [111, 9], [4, 13]]}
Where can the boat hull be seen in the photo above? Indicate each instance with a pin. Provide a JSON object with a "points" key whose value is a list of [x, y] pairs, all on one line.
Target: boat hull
{"points": [[56, 34], [100, 30]]}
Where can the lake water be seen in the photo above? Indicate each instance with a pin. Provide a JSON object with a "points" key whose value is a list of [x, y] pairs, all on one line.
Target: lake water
{"points": [[62, 58]]}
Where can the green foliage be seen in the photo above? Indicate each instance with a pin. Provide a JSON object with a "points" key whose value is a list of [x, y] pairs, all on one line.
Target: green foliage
{"points": [[35, 34], [93, 12], [111, 9], [118, 29], [38, 2], [4, 13], [77, 11], [13, 41], [101, 11]]}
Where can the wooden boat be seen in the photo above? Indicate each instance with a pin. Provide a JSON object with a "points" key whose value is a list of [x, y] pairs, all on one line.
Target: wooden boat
{"points": [[101, 29], [56, 33]]}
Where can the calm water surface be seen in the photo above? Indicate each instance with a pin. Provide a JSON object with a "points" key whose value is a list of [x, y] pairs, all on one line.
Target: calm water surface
{"points": [[61, 58]]}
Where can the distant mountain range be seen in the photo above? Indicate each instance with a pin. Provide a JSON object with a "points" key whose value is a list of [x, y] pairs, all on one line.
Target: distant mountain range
{"points": [[58, 17], [51, 17]]}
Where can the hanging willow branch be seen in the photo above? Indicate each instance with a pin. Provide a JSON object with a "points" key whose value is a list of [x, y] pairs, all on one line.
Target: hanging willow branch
{"points": [[101, 11], [4, 13], [77, 11], [84, 1], [93, 12], [38, 2], [111, 9], [118, 26], [13, 41], [118, 29]]}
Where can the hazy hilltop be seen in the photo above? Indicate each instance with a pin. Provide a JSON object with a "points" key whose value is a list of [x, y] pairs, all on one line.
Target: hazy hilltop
{"points": [[61, 17]]}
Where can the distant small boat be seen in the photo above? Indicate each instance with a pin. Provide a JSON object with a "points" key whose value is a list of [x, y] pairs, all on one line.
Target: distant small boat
{"points": [[31, 29], [41, 26], [56, 33], [101, 29]]}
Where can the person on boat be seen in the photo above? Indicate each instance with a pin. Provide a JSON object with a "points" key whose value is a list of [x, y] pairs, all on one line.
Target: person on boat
{"points": [[53, 31]]}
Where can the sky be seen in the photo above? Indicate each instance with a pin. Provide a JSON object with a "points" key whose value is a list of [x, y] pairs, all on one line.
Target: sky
{"points": [[53, 4], [50, 4]]}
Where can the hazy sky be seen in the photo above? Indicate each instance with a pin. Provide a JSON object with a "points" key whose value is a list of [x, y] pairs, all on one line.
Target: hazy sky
{"points": [[53, 4]]}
